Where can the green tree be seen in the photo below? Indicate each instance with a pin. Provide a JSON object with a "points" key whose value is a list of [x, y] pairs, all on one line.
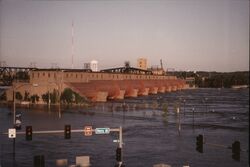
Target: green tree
{"points": [[26, 96], [3, 97], [37, 98], [45, 97], [54, 96], [165, 107], [80, 99], [34, 98], [67, 96], [19, 96]]}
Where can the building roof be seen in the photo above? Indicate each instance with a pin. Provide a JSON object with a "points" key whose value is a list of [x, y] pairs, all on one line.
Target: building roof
{"points": [[129, 70]]}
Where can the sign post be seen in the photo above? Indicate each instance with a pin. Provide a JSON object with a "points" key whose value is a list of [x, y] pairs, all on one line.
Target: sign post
{"points": [[88, 131], [12, 133]]}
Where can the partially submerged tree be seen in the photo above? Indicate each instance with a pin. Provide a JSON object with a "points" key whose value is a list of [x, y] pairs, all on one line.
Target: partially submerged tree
{"points": [[68, 96]]}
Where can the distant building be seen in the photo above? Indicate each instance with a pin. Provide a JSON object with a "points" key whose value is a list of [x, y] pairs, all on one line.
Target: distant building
{"points": [[86, 66], [190, 81], [157, 71], [94, 65], [142, 63]]}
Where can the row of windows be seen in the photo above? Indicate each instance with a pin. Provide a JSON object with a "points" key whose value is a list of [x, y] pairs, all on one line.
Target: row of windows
{"points": [[44, 74], [72, 75], [96, 76]]}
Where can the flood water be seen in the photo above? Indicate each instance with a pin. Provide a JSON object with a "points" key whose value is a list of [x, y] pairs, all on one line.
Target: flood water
{"points": [[151, 134]]}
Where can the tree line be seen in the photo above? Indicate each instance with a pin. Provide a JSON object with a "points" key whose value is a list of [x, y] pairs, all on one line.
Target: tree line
{"points": [[68, 96], [216, 79]]}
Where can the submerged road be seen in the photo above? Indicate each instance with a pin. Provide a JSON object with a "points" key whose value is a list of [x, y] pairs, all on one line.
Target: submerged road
{"points": [[152, 131]]}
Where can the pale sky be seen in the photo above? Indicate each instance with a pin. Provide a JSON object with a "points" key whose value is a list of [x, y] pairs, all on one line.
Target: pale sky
{"points": [[196, 35]]}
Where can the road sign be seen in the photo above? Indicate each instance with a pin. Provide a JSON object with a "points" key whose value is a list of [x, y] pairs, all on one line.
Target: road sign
{"points": [[88, 130], [116, 141], [12, 133], [102, 130]]}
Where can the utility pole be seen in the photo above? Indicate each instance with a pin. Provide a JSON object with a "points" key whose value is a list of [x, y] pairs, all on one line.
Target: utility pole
{"points": [[120, 137], [14, 105], [60, 92], [14, 123], [119, 151], [49, 101], [72, 45]]}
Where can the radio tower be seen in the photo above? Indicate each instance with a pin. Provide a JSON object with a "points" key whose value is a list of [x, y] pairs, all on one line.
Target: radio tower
{"points": [[72, 45]]}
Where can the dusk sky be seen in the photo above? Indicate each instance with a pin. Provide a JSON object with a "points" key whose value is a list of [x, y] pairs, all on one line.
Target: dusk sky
{"points": [[196, 35]]}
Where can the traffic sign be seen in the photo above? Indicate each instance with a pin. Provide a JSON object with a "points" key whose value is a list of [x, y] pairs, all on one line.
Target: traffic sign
{"points": [[12, 133], [88, 130], [102, 130]]}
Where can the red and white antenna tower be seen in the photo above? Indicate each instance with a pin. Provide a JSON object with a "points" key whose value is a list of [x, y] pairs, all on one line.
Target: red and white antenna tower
{"points": [[72, 45]]}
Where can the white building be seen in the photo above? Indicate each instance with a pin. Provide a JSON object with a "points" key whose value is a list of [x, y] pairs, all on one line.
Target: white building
{"points": [[94, 65]]}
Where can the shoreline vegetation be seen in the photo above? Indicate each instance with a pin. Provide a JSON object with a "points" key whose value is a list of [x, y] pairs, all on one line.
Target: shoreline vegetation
{"points": [[89, 104], [205, 79], [69, 98]]}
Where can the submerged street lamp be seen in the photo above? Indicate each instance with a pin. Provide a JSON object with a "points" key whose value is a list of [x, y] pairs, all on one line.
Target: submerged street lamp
{"points": [[49, 98], [184, 101], [14, 101], [16, 123]]}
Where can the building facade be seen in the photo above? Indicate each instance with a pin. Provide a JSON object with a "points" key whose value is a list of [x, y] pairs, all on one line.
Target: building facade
{"points": [[43, 81], [94, 65], [142, 63]]}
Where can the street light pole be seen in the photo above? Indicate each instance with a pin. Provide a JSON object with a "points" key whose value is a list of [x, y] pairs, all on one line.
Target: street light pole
{"points": [[184, 105], [14, 123], [60, 87], [48, 97], [120, 137], [14, 99], [14, 106], [206, 103], [120, 145], [14, 118]]}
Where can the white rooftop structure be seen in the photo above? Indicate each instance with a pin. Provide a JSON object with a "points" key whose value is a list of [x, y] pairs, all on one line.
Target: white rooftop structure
{"points": [[94, 65]]}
